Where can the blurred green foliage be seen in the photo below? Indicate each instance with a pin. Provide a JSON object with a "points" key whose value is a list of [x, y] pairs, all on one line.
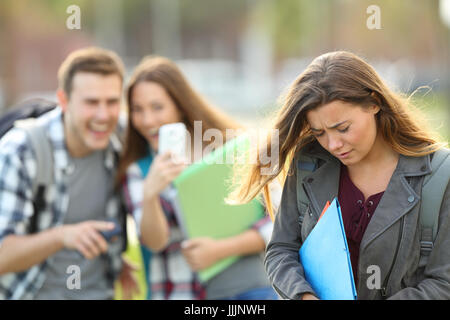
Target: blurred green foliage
{"points": [[436, 109]]}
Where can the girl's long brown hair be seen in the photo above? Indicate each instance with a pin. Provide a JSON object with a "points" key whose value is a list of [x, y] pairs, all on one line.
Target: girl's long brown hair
{"points": [[191, 104], [335, 76]]}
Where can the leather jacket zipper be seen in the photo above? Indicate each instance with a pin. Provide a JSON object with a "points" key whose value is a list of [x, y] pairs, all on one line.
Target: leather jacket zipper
{"points": [[384, 287]]}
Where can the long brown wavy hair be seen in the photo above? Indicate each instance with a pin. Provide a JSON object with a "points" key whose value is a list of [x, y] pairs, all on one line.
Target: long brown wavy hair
{"points": [[191, 105], [335, 76]]}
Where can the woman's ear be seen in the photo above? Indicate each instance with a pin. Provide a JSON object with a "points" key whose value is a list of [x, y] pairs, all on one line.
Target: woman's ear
{"points": [[375, 108]]}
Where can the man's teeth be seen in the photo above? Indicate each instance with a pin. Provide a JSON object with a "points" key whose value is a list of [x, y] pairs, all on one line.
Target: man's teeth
{"points": [[99, 128]]}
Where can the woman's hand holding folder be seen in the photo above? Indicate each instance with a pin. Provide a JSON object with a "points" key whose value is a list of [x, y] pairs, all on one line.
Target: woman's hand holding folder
{"points": [[309, 296]]}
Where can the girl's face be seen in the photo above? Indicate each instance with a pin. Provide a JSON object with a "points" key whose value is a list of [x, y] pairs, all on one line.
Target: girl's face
{"points": [[151, 107], [347, 131]]}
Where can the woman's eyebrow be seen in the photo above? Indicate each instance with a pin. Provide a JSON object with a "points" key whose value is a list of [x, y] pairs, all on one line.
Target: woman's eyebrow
{"points": [[332, 127]]}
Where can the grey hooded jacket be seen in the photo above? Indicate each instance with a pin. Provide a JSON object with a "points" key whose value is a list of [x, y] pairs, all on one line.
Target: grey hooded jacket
{"points": [[391, 242]]}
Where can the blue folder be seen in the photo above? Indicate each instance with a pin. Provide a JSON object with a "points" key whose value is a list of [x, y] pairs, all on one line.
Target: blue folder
{"points": [[326, 259]]}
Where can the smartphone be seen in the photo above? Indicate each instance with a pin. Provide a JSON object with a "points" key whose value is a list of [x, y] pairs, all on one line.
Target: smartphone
{"points": [[110, 234], [173, 137]]}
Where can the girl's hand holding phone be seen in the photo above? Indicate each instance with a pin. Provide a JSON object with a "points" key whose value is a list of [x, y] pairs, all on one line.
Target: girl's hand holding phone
{"points": [[165, 168]]}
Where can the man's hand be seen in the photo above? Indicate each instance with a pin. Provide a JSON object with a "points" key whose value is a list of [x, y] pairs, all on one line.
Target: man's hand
{"points": [[85, 237], [21, 252]]}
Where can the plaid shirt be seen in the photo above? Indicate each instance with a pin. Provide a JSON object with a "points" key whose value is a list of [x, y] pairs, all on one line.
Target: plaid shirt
{"points": [[17, 171], [169, 273]]}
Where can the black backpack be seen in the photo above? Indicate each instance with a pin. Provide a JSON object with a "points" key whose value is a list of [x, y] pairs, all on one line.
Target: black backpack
{"points": [[22, 115], [31, 108]]}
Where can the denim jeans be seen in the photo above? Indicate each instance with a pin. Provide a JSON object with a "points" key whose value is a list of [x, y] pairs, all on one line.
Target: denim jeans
{"points": [[264, 293]]}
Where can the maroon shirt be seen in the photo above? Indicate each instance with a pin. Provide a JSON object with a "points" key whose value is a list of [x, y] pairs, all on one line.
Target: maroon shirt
{"points": [[356, 215]]}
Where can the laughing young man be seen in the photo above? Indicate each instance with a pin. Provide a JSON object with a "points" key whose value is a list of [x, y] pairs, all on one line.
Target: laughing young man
{"points": [[81, 199]]}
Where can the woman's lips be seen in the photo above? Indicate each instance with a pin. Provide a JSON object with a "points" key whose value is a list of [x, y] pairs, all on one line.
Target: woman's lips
{"points": [[153, 131], [344, 155], [153, 134]]}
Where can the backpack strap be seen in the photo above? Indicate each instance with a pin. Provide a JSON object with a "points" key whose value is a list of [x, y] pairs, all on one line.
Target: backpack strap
{"points": [[44, 166], [433, 189]]}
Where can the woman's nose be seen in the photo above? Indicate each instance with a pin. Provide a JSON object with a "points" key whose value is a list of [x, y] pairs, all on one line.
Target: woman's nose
{"points": [[334, 143], [148, 120]]}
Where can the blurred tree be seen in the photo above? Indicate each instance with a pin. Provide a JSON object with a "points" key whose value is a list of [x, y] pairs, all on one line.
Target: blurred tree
{"points": [[10, 12], [212, 28], [300, 27], [297, 27], [208, 29]]}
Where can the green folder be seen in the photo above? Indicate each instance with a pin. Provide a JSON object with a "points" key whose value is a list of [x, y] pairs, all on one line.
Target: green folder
{"points": [[201, 190]]}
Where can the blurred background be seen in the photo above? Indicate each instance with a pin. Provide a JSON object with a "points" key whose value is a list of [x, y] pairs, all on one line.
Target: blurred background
{"points": [[241, 54]]}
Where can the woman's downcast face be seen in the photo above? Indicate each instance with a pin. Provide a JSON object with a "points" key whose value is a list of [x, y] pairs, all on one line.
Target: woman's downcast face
{"points": [[152, 107], [345, 130]]}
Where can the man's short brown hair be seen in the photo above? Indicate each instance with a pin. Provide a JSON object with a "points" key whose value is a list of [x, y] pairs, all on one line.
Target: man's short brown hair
{"points": [[93, 60]]}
